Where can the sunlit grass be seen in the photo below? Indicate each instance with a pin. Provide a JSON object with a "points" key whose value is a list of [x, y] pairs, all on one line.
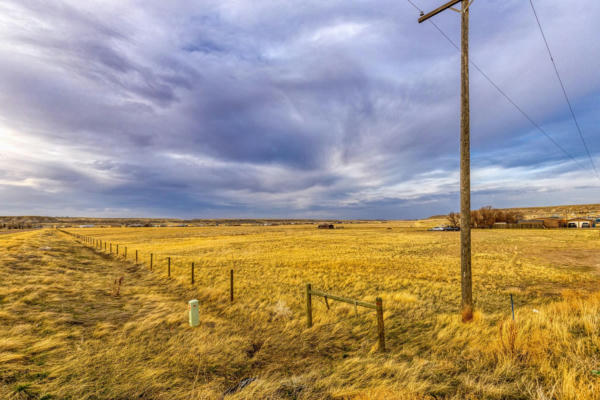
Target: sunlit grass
{"points": [[59, 321]]}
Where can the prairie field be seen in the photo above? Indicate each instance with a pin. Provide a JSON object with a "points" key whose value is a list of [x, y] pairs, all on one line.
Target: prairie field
{"points": [[64, 333]]}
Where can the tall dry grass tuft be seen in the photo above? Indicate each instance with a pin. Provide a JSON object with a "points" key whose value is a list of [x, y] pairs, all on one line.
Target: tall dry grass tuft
{"points": [[507, 339]]}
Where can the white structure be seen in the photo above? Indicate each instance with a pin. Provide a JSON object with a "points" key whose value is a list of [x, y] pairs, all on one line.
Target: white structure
{"points": [[580, 223]]}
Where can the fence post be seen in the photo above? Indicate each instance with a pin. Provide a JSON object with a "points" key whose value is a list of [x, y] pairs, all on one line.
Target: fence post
{"points": [[136, 256], [151, 255], [117, 249], [231, 285], [512, 306], [125, 253], [105, 245], [111, 248], [308, 306], [379, 304], [169, 267], [192, 273]]}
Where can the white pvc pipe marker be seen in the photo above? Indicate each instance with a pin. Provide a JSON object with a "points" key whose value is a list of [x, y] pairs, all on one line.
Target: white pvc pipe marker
{"points": [[194, 312]]}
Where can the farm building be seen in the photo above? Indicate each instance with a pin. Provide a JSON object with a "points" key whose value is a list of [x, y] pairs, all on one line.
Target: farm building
{"points": [[554, 222], [543, 222], [325, 226], [530, 223], [580, 223]]}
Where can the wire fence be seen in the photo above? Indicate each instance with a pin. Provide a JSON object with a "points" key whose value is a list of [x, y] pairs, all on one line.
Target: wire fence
{"points": [[224, 278]]}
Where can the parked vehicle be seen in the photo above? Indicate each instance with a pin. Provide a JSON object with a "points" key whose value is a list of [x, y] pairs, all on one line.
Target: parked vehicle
{"points": [[444, 228]]}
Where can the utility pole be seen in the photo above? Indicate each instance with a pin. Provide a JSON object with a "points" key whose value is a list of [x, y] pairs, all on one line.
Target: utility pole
{"points": [[465, 157]]}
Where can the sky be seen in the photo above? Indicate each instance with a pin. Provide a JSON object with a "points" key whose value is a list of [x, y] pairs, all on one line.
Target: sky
{"points": [[289, 109]]}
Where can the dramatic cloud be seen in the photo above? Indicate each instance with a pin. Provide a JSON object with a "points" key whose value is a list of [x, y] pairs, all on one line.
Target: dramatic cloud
{"points": [[286, 109]]}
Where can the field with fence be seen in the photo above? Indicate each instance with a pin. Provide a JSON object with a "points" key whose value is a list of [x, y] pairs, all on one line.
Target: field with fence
{"points": [[551, 350]]}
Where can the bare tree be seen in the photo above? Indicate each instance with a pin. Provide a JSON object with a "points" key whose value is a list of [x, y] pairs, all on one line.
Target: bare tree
{"points": [[487, 217], [453, 219]]}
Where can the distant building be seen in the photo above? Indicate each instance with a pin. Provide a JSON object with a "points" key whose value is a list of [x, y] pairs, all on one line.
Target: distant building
{"points": [[87, 226], [531, 223], [580, 223], [325, 226], [554, 222]]}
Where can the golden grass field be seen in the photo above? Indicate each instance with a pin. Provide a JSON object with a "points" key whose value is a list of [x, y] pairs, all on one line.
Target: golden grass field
{"points": [[64, 335]]}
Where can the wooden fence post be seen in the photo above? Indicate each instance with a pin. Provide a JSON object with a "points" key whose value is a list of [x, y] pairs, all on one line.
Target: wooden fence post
{"points": [[169, 267], [136, 256], [192, 273], [379, 304], [231, 285], [117, 249], [151, 255], [308, 306], [111, 248], [125, 253]]}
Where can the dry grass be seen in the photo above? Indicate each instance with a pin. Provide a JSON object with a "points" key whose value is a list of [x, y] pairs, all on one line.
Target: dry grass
{"points": [[64, 334]]}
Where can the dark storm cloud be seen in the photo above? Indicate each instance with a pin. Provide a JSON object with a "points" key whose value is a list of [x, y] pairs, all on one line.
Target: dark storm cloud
{"points": [[341, 109]]}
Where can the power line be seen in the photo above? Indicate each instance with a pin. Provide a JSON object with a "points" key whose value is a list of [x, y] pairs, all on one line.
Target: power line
{"points": [[563, 89], [536, 125]]}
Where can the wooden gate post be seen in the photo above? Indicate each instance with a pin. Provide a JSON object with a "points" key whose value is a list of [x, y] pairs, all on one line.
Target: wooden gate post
{"points": [[308, 306], [379, 305], [231, 285]]}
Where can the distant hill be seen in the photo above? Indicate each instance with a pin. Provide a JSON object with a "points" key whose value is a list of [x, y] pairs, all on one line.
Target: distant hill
{"points": [[37, 221], [565, 211]]}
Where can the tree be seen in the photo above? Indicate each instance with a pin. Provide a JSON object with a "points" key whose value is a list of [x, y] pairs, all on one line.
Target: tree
{"points": [[512, 217], [487, 217], [453, 219]]}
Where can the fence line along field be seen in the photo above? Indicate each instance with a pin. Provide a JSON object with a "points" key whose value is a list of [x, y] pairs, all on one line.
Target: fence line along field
{"points": [[551, 351]]}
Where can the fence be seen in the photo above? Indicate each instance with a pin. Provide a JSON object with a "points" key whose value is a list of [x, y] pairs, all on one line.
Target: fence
{"points": [[377, 306]]}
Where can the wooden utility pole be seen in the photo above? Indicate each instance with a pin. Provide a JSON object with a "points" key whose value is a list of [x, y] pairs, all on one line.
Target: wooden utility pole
{"points": [[465, 157]]}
